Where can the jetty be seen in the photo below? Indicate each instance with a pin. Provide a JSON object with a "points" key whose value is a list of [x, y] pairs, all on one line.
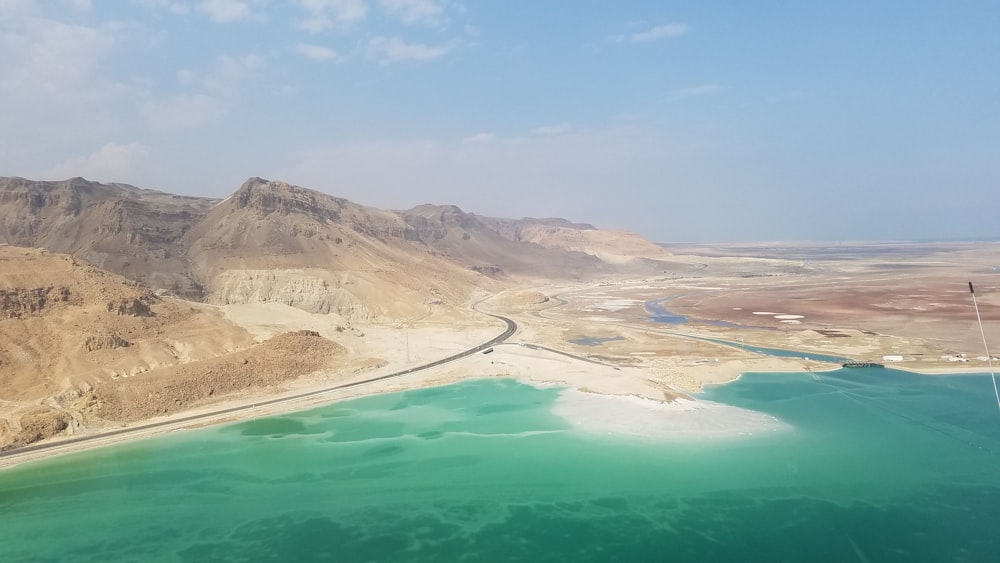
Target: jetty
{"points": [[861, 364]]}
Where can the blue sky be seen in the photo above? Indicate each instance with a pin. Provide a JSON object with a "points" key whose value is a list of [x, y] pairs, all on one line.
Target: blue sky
{"points": [[694, 121]]}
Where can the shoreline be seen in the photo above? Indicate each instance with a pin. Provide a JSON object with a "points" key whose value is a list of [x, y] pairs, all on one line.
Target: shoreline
{"points": [[521, 363], [181, 422], [515, 358], [307, 391], [624, 390], [233, 410]]}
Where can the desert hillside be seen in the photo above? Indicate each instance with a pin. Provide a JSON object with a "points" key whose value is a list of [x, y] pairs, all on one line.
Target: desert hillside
{"points": [[484, 246], [75, 339], [610, 246], [273, 242], [117, 227]]}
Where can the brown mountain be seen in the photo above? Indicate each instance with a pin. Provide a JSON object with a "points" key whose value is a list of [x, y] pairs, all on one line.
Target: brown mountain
{"points": [[480, 243], [271, 241], [550, 248], [121, 228], [611, 247]]}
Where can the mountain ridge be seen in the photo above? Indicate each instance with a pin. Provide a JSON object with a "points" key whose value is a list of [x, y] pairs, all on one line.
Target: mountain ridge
{"points": [[183, 244]]}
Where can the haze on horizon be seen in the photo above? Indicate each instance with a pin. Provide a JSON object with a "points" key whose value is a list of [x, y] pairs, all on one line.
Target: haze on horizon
{"points": [[708, 122]]}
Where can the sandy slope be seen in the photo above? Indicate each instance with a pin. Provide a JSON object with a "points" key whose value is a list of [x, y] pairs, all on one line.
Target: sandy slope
{"points": [[80, 347]]}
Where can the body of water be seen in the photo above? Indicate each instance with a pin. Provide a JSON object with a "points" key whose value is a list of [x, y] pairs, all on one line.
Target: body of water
{"points": [[778, 352], [879, 465], [595, 340], [659, 313]]}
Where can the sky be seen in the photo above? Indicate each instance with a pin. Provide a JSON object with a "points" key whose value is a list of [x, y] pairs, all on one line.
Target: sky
{"points": [[684, 121]]}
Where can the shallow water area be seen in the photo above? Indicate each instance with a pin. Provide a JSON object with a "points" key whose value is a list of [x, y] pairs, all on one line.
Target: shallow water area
{"points": [[595, 340], [659, 313], [875, 465], [679, 420]]}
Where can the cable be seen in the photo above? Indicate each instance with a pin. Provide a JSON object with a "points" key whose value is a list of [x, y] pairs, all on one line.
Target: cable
{"points": [[989, 358]]}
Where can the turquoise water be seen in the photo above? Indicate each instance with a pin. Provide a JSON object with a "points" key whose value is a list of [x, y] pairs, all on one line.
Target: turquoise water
{"points": [[882, 466]]}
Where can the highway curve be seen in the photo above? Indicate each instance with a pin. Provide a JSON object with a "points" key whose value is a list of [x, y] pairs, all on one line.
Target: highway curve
{"points": [[511, 329]]}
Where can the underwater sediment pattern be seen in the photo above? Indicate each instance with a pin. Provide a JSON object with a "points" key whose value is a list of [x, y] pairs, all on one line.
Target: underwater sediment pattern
{"points": [[880, 465]]}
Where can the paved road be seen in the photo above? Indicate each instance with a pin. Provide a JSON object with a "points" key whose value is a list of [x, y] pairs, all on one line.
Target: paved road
{"points": [[511, 329], [567, 354]]}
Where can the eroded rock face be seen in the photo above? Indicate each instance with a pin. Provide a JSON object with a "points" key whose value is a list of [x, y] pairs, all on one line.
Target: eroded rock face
{"points": [[105, 342], [489, 270], [35, 425], [304, 332], [117, 227], [289, 287], [280, 359], [133, 306], [267, 197], [5, 433], [433, 222], [19, 303]]}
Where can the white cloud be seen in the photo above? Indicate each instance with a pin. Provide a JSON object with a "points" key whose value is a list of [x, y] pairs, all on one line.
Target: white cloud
{"points": [[112, 162], [552, 130], [174, 7], [388, 50], [284, 90], [182, 111], [230, 73], [186, 77], [655, 33], [414, 12], [79, 5], [11, 9], [318, 52], [55, 86], [49, 57], [226, 11], [322, 15], [692, 91], [479, 138], [631, 116], [208, 98], [566, 175], [785, 96]]}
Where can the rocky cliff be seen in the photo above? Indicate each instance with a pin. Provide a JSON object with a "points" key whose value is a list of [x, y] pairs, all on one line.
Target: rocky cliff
{"points": [[363, 262], [137, 233], [67, 326], [484, 245]]}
